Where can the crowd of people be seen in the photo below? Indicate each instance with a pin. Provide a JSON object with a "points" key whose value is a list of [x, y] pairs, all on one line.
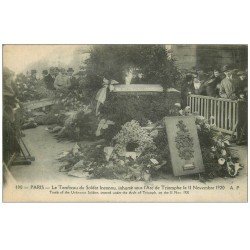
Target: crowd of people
{"points": [[228, 83], [56, 78], [36, 85], [31, 86]]}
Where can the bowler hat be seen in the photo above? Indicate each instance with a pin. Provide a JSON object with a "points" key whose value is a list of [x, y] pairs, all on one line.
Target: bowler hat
{"points": [[241, 73], [62, 70], [70, 70], [45, 72], [226, 68], [80, 72]]}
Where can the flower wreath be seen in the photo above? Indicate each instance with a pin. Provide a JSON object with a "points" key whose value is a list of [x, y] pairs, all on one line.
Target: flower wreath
{"points": [[133, 134]]}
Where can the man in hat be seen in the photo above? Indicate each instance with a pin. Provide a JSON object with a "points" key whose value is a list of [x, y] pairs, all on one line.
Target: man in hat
{"points": [[48, 80], [33, 74], [81, 77], [56, 72], [187, 88], [72, 79], [228, 87], [32, 78], [242, 83], [51, 72], [62, 81], [210, 87]]}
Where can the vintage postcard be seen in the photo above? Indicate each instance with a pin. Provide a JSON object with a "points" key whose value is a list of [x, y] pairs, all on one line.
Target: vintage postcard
{"points": [[125, 123]]}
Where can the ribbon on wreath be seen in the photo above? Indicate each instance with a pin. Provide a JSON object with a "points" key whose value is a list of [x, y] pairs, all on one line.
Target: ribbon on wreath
{"points": [[102, 93]]}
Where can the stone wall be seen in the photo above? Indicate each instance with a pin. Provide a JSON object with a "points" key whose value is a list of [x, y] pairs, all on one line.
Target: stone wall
{"points": [[208, 57]]}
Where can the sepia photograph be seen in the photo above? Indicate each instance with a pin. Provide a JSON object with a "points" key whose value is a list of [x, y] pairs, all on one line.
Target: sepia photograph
{"points": [[125, 122]]}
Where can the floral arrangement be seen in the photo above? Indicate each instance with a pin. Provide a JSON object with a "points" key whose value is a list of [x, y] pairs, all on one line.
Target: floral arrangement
{"points": [[133, 137], [215, 149], [119, 161], [71, 99], [141, 153], [30, 89], [77, 125]]}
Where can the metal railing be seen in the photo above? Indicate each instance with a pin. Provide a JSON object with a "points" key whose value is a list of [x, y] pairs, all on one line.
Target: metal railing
{"points": [[226, 112]]}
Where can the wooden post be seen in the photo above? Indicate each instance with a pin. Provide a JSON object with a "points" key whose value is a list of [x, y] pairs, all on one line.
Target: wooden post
{"points": [[230, 116], [202, 107], [226, 116], [211, 108], [222, 114]]}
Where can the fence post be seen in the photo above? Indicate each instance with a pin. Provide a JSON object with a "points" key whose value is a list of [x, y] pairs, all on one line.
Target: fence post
{"points": [[241, 118], [227, 113]]}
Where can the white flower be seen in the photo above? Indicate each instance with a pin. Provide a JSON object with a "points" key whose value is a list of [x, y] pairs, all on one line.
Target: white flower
{"points": [[220, 143], [237, 167], [181, 112], [154, 133], [121, 162], [198, 127], [221, 161], [207, 126], [177, 105], [213, 149], [154, 161], [212, 125], [223, 152], [200, 117], [187, 109]]}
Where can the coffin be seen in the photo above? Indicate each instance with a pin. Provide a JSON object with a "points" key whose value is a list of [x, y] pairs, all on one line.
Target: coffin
{"points": [[140, 88]]}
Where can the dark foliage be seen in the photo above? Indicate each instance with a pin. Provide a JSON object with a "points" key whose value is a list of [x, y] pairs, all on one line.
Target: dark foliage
{"points": [[111, 62], [142, 108]]}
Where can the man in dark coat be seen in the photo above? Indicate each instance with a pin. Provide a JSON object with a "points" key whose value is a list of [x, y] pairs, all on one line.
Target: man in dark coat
{"points": [[186, 89], [48, 80], [242, 84], [73, 81], [10, 123], [210, 87]]}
